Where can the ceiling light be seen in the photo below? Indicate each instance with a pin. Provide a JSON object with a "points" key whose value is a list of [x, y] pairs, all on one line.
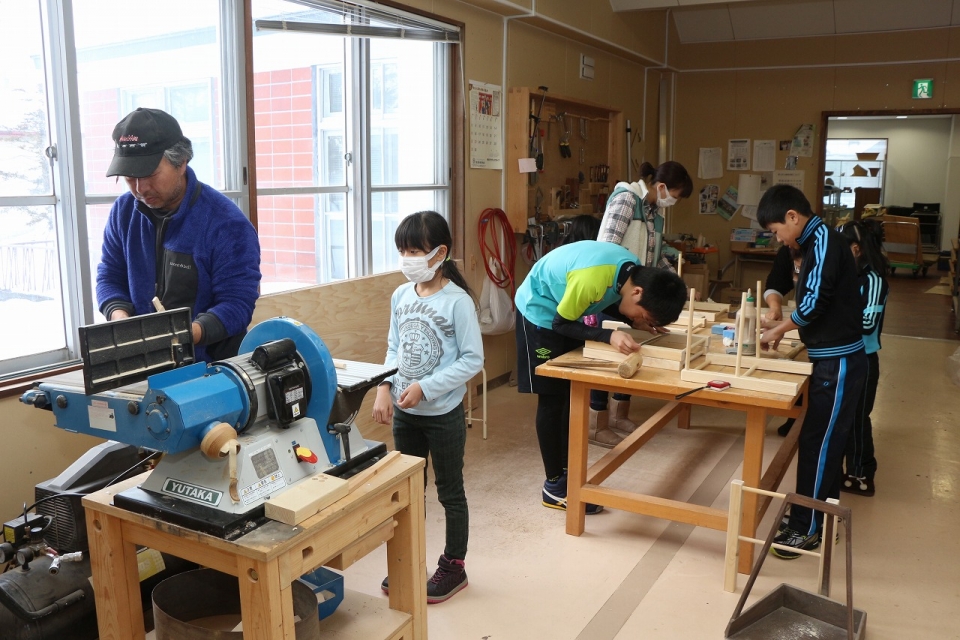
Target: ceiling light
{"points": [[901, 117], [841, 117]]}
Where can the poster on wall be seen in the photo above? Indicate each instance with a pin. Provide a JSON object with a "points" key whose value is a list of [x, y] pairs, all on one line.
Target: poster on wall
{"points": [[727, 205], [486, 151], [709, 195], [802, 144], [793, 178], [711, 163], [764, 155], [738, 155]]}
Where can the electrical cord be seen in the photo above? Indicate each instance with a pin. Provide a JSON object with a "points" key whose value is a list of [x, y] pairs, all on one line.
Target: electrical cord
{"points": [[497, 243], [116, 479]]}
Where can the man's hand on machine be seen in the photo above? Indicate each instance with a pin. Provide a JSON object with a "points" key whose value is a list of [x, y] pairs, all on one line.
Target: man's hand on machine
{"points": [[383, 405], [624, 342]]}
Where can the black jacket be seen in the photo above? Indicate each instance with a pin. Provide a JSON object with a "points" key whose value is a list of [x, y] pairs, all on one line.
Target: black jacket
{"points": [[829, 307]]}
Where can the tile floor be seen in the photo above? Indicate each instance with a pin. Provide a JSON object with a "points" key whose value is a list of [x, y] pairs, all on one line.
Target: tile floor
{"points": [[631, 576]]}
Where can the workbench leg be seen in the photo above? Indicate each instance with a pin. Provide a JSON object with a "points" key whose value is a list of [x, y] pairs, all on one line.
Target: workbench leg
{"points": [[683, 417], [577, 456], [116, 579], [406, 560], [752, 468], [266, 607]]}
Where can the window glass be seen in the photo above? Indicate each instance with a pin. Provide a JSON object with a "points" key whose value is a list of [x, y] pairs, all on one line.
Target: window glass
{"points": [[31, 303], [31, 299], [164, 63]]}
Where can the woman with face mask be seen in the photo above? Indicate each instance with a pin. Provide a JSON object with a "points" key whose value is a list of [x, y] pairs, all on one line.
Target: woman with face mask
{"points": [[434, 341], [633, 218]]}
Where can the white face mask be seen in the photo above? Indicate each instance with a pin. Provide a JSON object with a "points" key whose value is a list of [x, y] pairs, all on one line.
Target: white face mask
{"points": [[415, 267], [668, 201]]}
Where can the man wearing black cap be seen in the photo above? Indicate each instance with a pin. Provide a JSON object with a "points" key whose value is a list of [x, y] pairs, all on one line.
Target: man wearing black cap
{"points": [[175, 238]]}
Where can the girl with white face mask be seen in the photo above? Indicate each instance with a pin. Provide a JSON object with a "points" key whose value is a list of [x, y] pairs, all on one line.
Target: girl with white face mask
{"points": [[634, 218], [434, 341]]}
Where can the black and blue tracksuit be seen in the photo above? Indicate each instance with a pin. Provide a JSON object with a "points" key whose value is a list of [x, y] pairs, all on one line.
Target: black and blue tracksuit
{"points": [[829, 314], [860, 458]]}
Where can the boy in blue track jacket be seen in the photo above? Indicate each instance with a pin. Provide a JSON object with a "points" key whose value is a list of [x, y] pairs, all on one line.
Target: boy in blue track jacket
{"points": [[828, 316]]}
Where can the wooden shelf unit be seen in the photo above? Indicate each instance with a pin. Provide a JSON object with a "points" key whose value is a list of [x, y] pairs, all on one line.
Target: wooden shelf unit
{"points": [[604, 144]]}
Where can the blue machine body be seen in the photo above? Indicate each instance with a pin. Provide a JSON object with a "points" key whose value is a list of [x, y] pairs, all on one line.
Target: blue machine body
{"points": [[180, 405]]}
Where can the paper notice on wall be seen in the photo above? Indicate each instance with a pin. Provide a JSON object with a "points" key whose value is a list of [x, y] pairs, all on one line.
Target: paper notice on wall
{"points": [[748, 190], [802, 144], [486, 150], [793, 178], [738, 154], [764, 155], [748, 211], [711, 163], [709, 195]]}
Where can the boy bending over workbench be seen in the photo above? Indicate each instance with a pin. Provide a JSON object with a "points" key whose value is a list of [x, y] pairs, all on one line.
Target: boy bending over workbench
{"points": [[568, 283]]}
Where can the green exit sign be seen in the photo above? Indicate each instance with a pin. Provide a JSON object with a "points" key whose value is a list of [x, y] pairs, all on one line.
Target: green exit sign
{"points": [[923, 89]]}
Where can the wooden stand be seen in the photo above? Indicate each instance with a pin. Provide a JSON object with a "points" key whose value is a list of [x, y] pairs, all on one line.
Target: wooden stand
{"points": [[384, 504]]}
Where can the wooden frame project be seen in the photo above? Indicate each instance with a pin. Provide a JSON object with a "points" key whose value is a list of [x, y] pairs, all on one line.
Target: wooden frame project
{"points": [[740, 378], [712, 311], [664, 351], [732, 552]]}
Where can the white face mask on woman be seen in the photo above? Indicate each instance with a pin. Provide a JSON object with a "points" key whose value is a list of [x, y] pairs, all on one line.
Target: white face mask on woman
{"points": [[416, 269], [666, 201]]}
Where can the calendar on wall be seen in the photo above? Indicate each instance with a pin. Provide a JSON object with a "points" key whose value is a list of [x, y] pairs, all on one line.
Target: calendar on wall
{"points": [[486, 149]]}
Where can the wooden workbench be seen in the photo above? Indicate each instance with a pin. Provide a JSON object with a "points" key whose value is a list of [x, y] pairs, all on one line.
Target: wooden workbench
{"points": [[583, 484], [385, 504]]}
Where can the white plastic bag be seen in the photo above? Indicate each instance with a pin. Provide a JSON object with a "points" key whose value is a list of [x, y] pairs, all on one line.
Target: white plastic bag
{"points": [[953, 367], [496, 307]]}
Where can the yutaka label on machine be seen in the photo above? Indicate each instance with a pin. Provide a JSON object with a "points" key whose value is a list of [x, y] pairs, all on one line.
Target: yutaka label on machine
{"points": [[191, 492]]}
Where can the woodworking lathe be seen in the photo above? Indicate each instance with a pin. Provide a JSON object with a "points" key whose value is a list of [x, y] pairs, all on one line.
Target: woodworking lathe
{"points": [[233, 433]]}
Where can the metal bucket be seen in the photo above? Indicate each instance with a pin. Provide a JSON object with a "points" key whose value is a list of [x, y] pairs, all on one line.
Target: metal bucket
{"points": [[205, 605]]}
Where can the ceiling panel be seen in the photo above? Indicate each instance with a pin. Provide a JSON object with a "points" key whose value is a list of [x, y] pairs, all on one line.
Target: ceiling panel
{"points": [[782, 19], [709, 24], [860, 16]]}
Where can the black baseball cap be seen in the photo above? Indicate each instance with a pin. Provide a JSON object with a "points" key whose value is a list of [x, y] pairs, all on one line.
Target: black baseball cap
{"points": [[141, 138]]}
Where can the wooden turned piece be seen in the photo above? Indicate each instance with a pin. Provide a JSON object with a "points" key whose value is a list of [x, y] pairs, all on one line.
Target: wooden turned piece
{"points": [[214, 443]]}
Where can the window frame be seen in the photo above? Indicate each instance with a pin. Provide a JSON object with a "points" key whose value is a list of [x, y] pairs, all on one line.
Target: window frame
{"points": [[238, 165]]}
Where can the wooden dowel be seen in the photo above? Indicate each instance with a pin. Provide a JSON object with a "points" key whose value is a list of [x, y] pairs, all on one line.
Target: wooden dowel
{"points": [[758, 297], [693, 296], [740, 318]]}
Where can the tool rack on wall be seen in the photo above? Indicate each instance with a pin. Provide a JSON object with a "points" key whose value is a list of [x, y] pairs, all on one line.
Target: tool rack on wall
{"points": [[596, 139]]}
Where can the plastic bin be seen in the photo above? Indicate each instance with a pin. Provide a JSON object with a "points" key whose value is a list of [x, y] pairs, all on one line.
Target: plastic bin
{"points": [[328, 585]]}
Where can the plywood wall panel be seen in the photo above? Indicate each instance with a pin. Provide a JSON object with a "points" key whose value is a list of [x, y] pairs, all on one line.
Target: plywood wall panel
{"points": [[807, 52], [949, 91]]}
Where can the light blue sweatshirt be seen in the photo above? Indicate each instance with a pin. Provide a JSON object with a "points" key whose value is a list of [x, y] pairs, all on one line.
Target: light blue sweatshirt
{"points": [[434, 341]]}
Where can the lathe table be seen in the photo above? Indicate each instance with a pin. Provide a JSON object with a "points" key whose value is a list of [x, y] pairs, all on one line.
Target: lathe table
{"points": [[583, 484], [385, 504]]}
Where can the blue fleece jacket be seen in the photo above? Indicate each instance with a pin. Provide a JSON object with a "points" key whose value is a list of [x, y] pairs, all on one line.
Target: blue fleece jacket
{"points": [[210, 262]]}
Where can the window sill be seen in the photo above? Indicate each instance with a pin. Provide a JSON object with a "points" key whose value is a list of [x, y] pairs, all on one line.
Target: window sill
{"points": [[16, 386]]}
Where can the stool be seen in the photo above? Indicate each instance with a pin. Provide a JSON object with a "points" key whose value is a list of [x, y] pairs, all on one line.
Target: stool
{"points": [[470, 418]]}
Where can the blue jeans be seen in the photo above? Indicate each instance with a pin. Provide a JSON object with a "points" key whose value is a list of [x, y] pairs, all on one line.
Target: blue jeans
{"points": [[443, 438]]}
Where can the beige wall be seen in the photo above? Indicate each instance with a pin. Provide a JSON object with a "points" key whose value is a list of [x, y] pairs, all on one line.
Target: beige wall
{"points": [[34, 451]]}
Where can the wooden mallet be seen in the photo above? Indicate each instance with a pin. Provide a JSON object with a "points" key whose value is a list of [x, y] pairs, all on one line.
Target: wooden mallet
{"points": [[630, 366]]}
